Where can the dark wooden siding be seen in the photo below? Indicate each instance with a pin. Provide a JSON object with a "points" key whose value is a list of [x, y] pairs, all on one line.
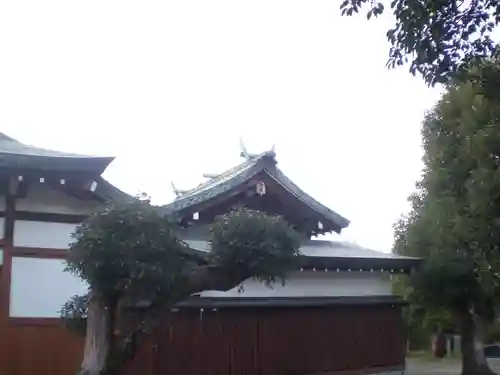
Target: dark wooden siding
{"points": [[42, 348], [284, 341]]}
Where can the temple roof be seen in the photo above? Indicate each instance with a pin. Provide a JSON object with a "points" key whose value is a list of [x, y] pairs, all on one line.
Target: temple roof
{"points": [[110, 193], [14, 154], [234, 177], [338, 254]]}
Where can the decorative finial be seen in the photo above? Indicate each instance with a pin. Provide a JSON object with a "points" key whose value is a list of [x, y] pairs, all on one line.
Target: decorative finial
{"points": [[210, 175], [272, 151], [177, 192], [244, 152]]}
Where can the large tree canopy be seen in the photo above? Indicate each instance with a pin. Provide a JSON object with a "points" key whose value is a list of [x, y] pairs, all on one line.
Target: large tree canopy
{"points": [[454, 222], [137, 267], [439, 38]]}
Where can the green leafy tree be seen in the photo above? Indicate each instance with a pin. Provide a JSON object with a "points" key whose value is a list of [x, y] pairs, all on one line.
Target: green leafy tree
{"points": [[421, 323], [454, 222], [136, 267], [439, 38]]}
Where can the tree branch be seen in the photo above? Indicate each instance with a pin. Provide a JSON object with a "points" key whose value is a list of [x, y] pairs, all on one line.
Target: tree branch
{"points": [[213, 277]]}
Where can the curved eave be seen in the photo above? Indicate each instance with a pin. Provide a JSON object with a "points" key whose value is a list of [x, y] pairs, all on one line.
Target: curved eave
{"points": [[276, 174], [110, 193], [94, 165]]}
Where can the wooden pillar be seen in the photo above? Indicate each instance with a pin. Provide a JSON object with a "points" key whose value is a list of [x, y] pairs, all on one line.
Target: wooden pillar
{"points": [[7, 245]]}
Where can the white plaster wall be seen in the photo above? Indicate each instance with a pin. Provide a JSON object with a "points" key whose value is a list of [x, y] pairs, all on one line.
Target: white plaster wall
{"points": [[43, 234], [42, 198], [316, 284], [39, 287]]}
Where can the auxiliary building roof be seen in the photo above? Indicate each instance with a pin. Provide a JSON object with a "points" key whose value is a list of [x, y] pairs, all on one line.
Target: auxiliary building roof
{"points": [[322, 254]]}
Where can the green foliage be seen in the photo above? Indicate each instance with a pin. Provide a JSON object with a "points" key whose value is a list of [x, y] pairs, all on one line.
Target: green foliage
{"points": [[136, 266], [454, 222], [130, 251], [446, 280], [74, 313], [252, 243], [421, 322], [439, 38]]}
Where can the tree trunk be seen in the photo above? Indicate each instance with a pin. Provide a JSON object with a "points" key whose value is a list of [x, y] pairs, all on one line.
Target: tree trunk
{"points": [[472, 344], [479, 341], [97, 339]]}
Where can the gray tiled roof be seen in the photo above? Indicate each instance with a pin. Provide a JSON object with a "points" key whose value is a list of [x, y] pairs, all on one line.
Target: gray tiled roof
{"points": [[220, 184], [242, 173], [14, 154], [12, 146], [343, 249], [322, 249], [110, 193], [321, 254]]}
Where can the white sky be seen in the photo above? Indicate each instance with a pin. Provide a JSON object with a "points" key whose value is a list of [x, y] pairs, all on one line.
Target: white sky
{"points": [[169, 87]]}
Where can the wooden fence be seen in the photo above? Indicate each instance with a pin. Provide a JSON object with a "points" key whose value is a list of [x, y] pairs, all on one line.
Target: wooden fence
{"points": [[265, 341]]}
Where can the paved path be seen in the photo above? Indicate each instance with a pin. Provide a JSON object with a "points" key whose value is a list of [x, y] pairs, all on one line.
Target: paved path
{"points": [[441, 367]]}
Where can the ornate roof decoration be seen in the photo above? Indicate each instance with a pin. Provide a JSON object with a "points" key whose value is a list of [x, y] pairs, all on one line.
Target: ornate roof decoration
{"points": [[176, 191], [245, 154], [242, 173]]}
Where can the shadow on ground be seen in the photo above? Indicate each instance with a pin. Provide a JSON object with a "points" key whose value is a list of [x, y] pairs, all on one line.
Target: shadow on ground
{"points": [[450, 366]]}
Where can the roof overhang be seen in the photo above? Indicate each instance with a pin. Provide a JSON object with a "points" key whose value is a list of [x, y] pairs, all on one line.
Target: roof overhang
{"points": [[19, 156], [280, 302], [336, 255], [212, 303]]}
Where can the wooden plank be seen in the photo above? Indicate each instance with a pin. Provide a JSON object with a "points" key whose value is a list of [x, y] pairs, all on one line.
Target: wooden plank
{"points": [[348, 340]]}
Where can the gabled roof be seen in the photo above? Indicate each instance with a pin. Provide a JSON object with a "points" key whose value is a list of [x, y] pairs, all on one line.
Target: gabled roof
{"points": [[225, 182], [14, 154]]}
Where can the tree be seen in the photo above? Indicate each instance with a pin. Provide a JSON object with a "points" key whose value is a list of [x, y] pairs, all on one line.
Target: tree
{"points": [[440, 38], [420, 322], [454, 222], [136, 267]]}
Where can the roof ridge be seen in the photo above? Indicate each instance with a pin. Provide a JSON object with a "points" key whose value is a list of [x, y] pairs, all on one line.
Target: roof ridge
{"points": [[5, 137], [213, 181]]}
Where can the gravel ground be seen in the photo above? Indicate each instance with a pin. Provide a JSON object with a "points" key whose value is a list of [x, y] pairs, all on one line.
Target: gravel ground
{"points": [[441, 367]]}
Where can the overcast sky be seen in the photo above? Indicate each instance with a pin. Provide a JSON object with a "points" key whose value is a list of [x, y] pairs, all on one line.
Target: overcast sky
{"points": [[169, 87]]}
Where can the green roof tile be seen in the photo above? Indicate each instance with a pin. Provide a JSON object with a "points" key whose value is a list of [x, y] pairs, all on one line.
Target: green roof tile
{"points": [[242, 173]]}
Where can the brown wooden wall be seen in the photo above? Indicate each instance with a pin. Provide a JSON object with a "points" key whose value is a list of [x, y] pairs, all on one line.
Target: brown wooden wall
{"points": [[42, 347], [284, 341]]}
